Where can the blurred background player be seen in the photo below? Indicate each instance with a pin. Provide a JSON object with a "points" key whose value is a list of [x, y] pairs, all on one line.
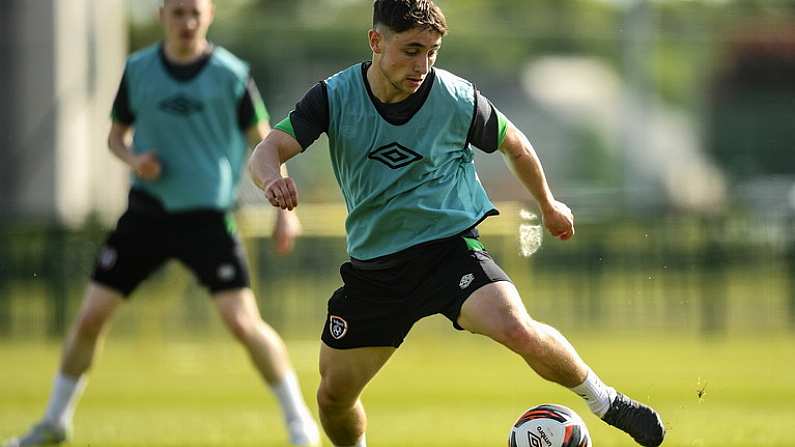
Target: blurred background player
{"points": [[192, 110], [400, 133]]}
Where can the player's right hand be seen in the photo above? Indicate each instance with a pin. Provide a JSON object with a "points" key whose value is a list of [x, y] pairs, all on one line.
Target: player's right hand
{"points": [[147, 166], [282, 193]]}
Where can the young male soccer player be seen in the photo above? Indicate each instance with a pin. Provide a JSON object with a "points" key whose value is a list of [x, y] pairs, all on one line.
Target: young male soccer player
{"points": [[192, 108], [400, 133]]}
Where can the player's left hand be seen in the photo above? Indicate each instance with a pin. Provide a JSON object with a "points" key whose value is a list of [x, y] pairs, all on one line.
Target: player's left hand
{"points": [[559, 220], [285, 230]]}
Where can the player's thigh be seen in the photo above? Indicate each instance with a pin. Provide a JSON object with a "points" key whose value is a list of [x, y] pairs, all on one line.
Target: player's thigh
{"points": [[98, 306], [237, 306], [345, 372], [494, 310]]}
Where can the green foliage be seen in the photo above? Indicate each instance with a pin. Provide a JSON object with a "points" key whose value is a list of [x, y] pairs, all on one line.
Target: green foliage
{"points": [[291, 44]]}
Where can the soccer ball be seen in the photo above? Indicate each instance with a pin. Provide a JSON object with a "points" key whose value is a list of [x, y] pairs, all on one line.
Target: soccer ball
{"points": [[549, 425]]}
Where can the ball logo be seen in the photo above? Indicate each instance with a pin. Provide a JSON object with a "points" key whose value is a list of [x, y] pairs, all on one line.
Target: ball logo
{"points": [[337, 326], [535, 439], [544, 436], [549, 425]]}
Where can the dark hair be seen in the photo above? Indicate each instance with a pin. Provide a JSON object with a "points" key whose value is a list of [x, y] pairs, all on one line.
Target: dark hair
{"points": [[403, 15]]}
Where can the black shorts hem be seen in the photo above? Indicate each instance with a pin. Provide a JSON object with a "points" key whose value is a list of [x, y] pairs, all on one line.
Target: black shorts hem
{"points": [[125, 292], [226, 288], [454, 319], [344, 346]]}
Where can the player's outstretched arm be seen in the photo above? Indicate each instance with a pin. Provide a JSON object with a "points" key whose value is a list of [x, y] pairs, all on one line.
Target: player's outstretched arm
{"points": [[526, 166], [265, 168]]}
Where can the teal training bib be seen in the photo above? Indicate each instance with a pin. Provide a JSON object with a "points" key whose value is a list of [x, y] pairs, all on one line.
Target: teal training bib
{"points": [[404, 184], [192, 126]]}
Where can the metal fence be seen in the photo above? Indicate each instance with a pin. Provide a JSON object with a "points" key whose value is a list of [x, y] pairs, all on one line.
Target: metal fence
{"points": [[704, 276]]}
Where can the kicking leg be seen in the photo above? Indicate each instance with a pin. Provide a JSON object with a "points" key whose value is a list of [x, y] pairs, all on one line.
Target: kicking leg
{"points": [[238, 310], [496, 311], [343, 375]]}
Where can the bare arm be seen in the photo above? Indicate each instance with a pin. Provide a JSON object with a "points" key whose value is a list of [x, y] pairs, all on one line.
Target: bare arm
{"points": [[526, 166], [119, 140], [257, 133], [265, 168], [145, 166]]}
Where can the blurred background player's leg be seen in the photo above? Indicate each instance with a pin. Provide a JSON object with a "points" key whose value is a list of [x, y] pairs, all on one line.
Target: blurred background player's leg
{"points": [[82, 344], [238, 310]]}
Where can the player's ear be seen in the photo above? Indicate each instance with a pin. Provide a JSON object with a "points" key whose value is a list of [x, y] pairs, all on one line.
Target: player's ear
{"points": [[212, 11], [376, 41]]}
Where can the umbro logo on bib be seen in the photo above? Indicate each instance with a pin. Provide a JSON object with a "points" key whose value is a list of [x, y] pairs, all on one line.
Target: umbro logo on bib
{"points": [[181, 105], [394, 155]]}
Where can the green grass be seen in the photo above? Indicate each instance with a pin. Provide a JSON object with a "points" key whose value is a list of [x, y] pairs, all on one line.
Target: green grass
{"points": [[449, 390]]}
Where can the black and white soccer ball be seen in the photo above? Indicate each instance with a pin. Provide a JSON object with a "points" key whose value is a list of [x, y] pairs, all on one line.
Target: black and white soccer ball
{"points": [[549, 425]]}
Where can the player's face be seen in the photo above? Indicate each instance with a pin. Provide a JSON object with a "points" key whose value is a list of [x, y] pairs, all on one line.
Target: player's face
{"points": [[186, 23], [406, 58]]}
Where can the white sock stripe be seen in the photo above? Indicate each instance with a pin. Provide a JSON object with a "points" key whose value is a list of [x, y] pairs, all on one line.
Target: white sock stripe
{"points": [[596, 394], [288, 393]]}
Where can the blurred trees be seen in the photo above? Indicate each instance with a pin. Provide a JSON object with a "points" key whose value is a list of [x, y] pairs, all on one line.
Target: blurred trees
{"points": [[753, 102], [291, 44]]}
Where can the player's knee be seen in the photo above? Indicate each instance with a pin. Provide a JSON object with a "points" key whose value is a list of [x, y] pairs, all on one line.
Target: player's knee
{"points": [[241, 326], [328, 401], [522, 336], [330, 398], [241, 321], [325, 399]]}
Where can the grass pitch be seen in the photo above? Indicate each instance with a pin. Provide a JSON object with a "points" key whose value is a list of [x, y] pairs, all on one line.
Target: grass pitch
{"points": [[441, 389]]}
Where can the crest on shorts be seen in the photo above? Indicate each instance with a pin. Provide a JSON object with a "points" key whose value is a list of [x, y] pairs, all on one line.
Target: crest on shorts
{"points": [[107, 258], [226, 272], [466, 280], [337, 326]]}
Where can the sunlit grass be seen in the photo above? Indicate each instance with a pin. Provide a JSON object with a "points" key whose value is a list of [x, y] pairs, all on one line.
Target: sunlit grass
{"points": [[438, 390]]}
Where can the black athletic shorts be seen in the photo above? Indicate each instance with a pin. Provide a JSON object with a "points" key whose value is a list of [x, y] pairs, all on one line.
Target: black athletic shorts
{"points": [[146, 236], [379, 307]]}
